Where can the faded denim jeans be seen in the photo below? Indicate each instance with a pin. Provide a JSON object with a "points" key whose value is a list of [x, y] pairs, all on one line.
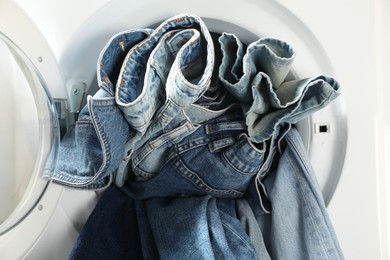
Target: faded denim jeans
{"points": [[293, 218]]}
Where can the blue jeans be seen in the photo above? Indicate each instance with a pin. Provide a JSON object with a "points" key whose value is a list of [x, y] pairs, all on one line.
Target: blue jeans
{"points": [[111, 231], [256, 77], [113, 123], [190, 147], [217, 159], [239, 67], [200, 227], [162, 76], [291, 212], [92, 149]]}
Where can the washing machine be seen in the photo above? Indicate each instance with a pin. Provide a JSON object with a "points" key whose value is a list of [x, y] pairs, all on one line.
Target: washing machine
{"points": [[48, 53]]}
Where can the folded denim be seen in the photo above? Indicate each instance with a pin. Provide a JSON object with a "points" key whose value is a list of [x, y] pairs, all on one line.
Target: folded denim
{"points": [[162, 118], [257, 79], [161, 76], [238, 69], [297, 225], [151, 99], [108, 141], [248, 221], [291, 102], [217, 159], [111, 231], [200, 227], [92, 149]]}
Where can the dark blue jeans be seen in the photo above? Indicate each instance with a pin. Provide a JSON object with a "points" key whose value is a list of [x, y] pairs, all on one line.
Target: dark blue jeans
{"points": [[111, 231]]}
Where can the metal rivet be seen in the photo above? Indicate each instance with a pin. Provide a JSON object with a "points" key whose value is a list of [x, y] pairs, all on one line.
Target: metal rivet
{"points": [[40, 59], [76, 92], [40, 207]]}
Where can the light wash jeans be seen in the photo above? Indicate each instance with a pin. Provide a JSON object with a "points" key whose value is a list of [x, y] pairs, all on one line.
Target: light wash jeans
{"points": [[93, 148], [125, 112], [186, 140], [256, 77], [217, 159], [292, 214], [201, 227], [161, 76]]}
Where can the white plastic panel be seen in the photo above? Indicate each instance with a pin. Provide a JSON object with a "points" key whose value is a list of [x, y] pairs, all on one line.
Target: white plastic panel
{"points": [[29, 133], [19, 133]]}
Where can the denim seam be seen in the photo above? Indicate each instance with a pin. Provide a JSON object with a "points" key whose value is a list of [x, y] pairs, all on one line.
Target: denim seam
{"points": [[249, 246], [250, 142], [237, 170], [83, 122], [63, 178], [158, 72], [194, 178], [182, 148], [212, 98], [174, 133], [295, 147], [103, 142], [141, 173], [324, 100], [142, 153], [225, 126], [312, 217]]}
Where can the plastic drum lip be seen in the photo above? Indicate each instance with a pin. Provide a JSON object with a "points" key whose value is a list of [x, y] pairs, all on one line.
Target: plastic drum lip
{"points": [[47, 134], [23, 227]]}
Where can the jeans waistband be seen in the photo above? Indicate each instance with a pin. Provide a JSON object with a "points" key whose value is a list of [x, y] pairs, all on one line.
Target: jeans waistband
{"points": [[113, 55]]}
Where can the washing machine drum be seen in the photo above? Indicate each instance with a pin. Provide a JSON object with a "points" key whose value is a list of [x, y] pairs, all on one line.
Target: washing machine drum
{"points": [[28, 135], [29, 130]]}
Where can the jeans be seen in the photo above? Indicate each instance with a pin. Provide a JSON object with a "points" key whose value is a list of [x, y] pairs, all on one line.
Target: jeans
{"points": [[114, 119], [111, 231], [155, 81], [161, 76], [239, 68], [206, 154], [296, 224], [248, 221], [256, 77], [92, 149], [200, 227], [226, 162]]}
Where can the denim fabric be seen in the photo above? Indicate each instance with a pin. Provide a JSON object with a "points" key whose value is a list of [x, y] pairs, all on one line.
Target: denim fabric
{"points": [[193, 228], [206, 155], [226, 162], [111, 231], [238, 69], [248, 221], [290, 103], [298, 226], [161, 76], [92, 149], [256, 77], [214, 103]]}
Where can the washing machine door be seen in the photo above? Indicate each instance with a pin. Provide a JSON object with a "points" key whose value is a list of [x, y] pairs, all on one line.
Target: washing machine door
{"points": [[29, 135]]}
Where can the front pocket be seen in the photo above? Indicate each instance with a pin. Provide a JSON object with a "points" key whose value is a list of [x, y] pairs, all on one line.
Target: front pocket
{"points": [[230, 169], [244, 156]]}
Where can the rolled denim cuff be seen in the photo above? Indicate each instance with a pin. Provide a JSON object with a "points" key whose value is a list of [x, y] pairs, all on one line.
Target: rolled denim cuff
{"points": [[92, 150], [290, 103], [267, 55]]}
